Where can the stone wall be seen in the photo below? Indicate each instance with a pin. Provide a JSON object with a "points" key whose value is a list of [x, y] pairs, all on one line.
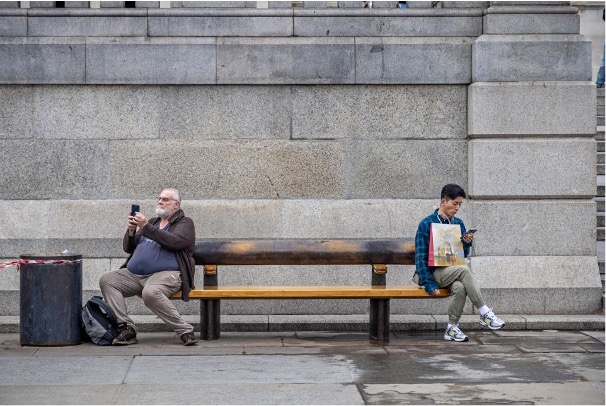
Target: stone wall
{"points": [[311, 123]]}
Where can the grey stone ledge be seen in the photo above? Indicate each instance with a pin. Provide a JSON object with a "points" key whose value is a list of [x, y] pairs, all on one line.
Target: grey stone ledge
{"points": [[224, 12], [21, 12], [362, 12], [531, 10], [86, 12]]}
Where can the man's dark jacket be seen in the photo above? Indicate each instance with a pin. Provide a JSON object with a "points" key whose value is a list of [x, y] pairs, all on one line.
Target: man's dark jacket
{"points": [[180, 238]]}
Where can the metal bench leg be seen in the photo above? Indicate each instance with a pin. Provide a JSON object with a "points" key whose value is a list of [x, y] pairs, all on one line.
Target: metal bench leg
{"points": [[379, 320], [210, 319], [379, 308], [210, 310]]}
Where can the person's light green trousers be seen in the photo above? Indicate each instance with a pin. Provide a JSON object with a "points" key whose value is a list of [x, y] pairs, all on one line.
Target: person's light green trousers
{"points": [[460, 281]]}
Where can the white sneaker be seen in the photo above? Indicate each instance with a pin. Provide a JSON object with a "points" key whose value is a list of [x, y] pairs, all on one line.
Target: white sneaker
{"points": [[491, 321], [454, 333]]}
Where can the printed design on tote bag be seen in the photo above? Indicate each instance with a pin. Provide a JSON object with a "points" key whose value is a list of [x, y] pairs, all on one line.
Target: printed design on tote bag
{"points": [[445, 245]]}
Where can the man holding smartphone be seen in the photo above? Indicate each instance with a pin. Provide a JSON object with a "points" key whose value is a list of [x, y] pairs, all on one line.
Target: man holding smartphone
{"points": [[458, 278], [160, 264]]}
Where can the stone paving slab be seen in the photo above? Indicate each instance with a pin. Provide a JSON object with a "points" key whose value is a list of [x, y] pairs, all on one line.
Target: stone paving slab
{"points": [[240, 394], [312, 368], [572, 393]]}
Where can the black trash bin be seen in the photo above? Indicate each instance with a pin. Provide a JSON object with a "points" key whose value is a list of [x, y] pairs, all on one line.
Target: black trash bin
{"points": [[50, 300]]}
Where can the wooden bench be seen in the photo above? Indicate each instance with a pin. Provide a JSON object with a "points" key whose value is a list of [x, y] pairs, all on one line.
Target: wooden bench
{"points": [[377, 253]]}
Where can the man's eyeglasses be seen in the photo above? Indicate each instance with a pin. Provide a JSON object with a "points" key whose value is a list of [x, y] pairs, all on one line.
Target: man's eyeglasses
{"points": [[165, 199]]}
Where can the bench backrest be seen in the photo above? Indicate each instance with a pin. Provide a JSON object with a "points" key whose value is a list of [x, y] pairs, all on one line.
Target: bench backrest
{"points": [[304, 252]]}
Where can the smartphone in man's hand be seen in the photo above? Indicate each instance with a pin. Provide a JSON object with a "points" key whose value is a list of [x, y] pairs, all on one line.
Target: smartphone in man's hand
{"points": [[134, 209]]}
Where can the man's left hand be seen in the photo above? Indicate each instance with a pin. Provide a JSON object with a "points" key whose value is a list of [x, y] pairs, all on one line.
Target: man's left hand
{"points": [[140, 220]]}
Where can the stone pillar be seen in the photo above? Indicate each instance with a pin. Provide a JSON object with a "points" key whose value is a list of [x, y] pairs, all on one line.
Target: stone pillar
{"points": [[532, 176]]}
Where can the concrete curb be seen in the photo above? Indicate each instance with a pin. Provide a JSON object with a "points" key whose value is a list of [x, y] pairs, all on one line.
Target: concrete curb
{"points": [[357, 323]]}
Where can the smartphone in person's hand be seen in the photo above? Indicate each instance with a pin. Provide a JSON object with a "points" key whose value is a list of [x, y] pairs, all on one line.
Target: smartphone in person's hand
{"points": [[134, 209]]}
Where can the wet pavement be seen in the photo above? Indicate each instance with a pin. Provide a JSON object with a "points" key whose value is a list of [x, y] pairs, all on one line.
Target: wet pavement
{"points": [[509, 366]]}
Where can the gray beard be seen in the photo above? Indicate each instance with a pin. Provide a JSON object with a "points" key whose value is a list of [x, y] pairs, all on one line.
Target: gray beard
{"points": [[163, 213]]}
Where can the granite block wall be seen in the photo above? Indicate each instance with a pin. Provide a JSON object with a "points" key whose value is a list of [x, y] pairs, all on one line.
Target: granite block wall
{"points": [[306, 123]]}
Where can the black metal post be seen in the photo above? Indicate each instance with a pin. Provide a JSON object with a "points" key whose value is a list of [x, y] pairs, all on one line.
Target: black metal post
{"points": [[210, 310], [379, 308]]}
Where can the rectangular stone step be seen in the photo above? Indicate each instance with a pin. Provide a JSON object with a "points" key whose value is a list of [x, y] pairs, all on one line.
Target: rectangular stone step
{"points": [[600, 169], [600, 120], [601, 145], [600, 234], [600, 220]]}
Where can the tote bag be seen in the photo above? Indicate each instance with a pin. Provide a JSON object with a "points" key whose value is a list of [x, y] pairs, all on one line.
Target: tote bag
{"points": [[445, 245]]}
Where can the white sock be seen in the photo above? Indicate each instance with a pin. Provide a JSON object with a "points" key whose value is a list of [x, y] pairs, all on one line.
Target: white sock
{"points": [[484, 309], [450, 326]]}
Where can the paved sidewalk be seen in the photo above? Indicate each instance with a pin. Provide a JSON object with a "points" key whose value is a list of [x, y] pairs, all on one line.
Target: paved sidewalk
{"points": [[509, 366]]}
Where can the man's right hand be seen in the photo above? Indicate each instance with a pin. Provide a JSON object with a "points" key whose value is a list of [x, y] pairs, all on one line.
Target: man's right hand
{"points": [[435, 292], [132, 225]]}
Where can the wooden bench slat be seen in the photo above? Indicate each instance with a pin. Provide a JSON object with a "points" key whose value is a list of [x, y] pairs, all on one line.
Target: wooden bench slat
{"points": [[311, 292]]}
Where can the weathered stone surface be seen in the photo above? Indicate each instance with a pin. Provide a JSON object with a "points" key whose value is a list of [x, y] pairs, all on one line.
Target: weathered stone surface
{"points": [[41, 60], [217, 169], [28, 219], [532, 24], [413, 60], [532, 168], [224, 112], [228, 26], [285, 60], [515, 58], [13, 26], [404, 169], [59, 169], [533, 227], [522, 108], [375, 26], [72, 26], [528, 272], [131, 112], [379, 112], [150, 60], [17, 112], [96, 112]]}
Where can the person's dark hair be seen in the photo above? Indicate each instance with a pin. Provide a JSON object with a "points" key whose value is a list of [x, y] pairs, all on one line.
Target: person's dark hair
{"points": [[452, 191]]}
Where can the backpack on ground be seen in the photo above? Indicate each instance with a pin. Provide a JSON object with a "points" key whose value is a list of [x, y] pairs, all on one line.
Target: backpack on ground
{"points": [[99, 321]]}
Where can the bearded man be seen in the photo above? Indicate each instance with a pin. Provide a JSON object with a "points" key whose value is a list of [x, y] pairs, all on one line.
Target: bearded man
{"points": [[160, 264]]}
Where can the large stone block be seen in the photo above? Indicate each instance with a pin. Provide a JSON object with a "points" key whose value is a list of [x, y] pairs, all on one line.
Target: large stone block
{"points": [[224, 112], [533, 108], [12, 25], [285, 60], [421, 60], [28, 219], [225, 169], [236, 218], [355, 218], [404, 169], [518, 58], [533, 227], [17, 112], [360, 23], [96, 112], [378, 112], [150, 60], [41, 60], [532, 24], [131, 112], [220, 23], [539, 284], [59, 169], [87, 26], [532, 168]]}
